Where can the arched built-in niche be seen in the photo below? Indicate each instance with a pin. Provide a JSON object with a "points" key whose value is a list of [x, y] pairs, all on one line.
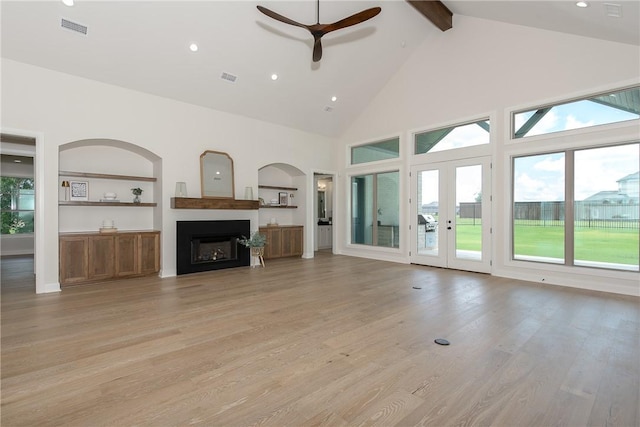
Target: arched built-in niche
{"points": [[277, 178], [110, 166]]}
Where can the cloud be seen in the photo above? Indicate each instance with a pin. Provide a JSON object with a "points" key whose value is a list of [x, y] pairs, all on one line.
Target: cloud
{"points": [[550, 165], [571, 122], [547, 188]]}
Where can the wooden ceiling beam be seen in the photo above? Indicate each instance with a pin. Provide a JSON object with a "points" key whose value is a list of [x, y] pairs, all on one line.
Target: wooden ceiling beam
{"points": [[435, 11]]}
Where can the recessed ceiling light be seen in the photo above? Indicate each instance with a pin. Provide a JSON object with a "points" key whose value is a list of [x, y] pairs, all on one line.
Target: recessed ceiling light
{"points": [[334, 98], [274, 76], [68, 2], [582, 4], [193, 47]]}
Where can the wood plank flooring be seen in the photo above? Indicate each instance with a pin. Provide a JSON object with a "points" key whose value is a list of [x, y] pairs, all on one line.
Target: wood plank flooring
{"points": [[333, 341]]}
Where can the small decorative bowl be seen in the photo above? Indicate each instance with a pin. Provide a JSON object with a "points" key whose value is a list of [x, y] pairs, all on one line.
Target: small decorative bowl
{"points": [[110, 196]]}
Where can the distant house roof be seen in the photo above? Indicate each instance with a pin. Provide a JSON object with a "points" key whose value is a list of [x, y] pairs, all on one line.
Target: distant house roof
{"points": [[630, 177], [612, 196]]}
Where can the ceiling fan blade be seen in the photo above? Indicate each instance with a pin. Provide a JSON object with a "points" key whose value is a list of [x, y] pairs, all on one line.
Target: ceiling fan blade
{"points": [[278, 17], [352, 20], [317, 48]]}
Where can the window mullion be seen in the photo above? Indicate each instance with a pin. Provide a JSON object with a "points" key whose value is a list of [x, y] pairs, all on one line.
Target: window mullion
{"points": [[569, 211]]}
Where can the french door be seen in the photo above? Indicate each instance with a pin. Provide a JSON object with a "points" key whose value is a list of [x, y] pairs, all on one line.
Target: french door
{"points": [[451, 214]]}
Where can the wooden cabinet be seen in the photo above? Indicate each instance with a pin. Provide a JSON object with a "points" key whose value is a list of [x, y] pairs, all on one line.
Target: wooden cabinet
{"points": [[91, 257], [283, 241], [100, 261], [126, 255], [325, 237], [273, 248], [149, 253], [291, 241], [74, 259]]}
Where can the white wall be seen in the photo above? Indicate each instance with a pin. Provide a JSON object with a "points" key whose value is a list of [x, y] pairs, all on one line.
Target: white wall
{"points": [[58, 108], [484, 68]]}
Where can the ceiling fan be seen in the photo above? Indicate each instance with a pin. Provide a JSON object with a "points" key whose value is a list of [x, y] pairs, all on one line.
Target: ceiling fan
{"points": [[318, 30]]}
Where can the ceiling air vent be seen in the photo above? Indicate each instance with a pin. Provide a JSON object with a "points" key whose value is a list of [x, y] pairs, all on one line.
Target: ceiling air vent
{"points": [[74, 27], [229, 77], [613, 10]]}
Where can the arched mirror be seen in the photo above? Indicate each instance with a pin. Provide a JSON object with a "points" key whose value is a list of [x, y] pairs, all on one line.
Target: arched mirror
{"points": [[216, 175]]}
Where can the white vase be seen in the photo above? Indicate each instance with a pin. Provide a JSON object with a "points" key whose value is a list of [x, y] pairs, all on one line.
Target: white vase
{"points": [[248, 193]]}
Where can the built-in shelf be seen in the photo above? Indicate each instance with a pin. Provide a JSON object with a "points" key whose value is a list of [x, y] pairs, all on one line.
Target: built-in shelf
{"points": [[273, 187], [107, 176], [129, 204], [196, 203]]}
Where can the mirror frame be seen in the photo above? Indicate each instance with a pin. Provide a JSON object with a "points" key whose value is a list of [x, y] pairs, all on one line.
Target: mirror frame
{"points": [[217, 160]]}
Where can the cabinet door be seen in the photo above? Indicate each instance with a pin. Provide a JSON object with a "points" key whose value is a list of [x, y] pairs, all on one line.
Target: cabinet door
{"points": [[74, 260], [291, 241], [127, 254], [273, 248], [101, 257], [324, 237], [149, 253]]}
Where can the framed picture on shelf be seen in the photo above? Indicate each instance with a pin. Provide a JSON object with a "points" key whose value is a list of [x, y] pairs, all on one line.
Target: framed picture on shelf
{"points": [[78, 191], [283, 198]]}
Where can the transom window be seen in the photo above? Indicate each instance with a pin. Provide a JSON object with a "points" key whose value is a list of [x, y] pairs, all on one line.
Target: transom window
{"points": [[449, 138], [597, 110], [381, 150]]}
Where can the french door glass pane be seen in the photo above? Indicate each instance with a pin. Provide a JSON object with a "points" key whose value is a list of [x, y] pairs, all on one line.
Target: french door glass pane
{"points": [[607, 213], [428, 208], [538, 209], [468, 227]]}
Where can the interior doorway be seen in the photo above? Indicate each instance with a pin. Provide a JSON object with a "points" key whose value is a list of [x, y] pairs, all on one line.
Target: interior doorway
{"points": [[323, 212], [17, 161]]}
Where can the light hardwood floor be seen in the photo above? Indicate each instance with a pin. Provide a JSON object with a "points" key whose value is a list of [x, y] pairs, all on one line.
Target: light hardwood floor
{"points": [[331, 341]]}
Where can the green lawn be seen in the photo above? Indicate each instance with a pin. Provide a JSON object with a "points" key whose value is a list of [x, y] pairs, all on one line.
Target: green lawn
{"points": [[618, 246]]}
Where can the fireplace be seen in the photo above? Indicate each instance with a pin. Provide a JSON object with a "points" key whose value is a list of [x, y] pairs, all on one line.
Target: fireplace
{"points": [[211, 245]]}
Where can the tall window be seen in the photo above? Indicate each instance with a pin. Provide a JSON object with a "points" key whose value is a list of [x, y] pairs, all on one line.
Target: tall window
{"points": [[375, 209], [538, 208], [606, 208], [17, 204], [600, 227]]}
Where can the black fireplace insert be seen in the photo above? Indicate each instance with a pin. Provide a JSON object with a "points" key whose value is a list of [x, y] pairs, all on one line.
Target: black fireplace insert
{"points": [[211, 245]]}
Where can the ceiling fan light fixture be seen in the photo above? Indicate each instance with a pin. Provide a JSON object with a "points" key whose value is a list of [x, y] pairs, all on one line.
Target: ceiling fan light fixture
{"points": [[318, 30], [582, 4]]}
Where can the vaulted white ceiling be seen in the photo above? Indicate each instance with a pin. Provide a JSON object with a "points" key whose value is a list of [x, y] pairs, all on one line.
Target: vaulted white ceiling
{"points": [[144, 46]]}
